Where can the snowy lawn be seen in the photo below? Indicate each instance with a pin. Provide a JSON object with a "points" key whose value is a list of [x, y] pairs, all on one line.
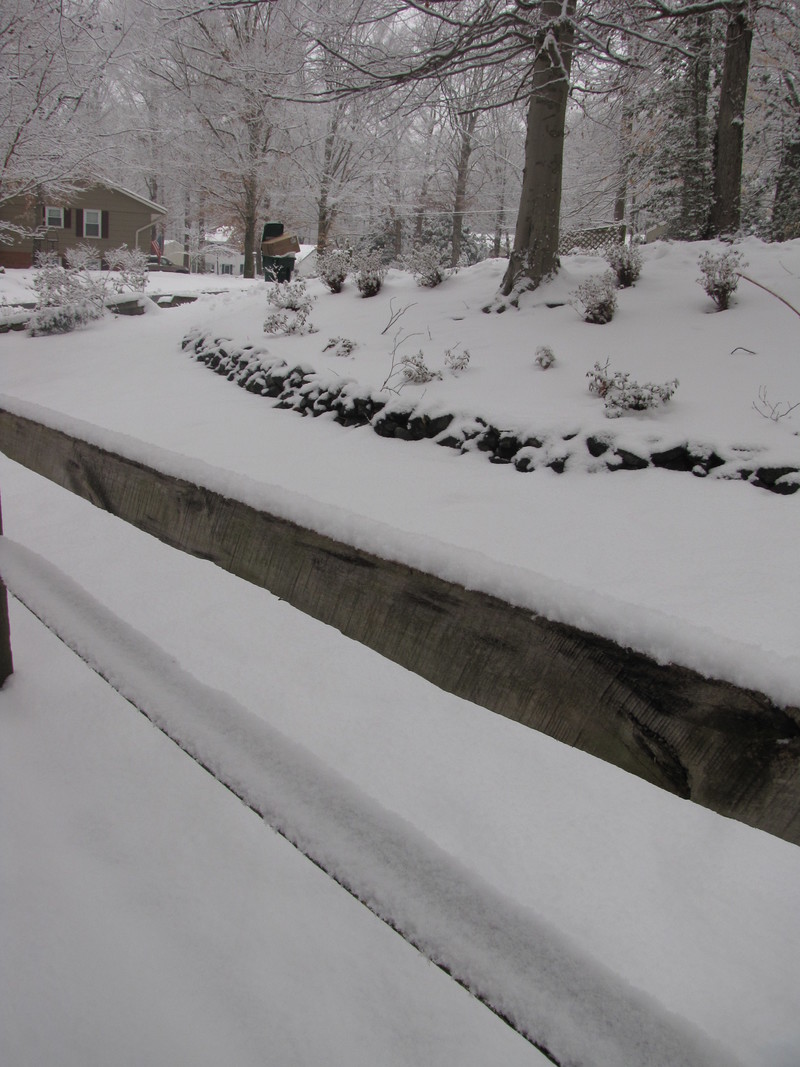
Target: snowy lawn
{"points": [[693, 910]]}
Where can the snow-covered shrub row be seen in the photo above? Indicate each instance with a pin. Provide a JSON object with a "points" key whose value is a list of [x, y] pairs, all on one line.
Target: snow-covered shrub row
{"points": [[71, 296], [302, 389]]}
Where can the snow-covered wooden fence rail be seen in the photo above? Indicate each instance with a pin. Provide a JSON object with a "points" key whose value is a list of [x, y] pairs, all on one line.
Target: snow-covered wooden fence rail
{"points": [[6, 663], [729, 749]]}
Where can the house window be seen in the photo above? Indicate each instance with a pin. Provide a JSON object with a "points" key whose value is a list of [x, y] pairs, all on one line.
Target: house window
{"points": [[226, 268], [92, 223], [54, 218]]}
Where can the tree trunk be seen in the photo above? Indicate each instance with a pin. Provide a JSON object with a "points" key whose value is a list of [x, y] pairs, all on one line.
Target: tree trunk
{"points": [[152, 192], [249, 223], [497, 244], [786, 205], [325, 212], [694, 165], [187, 228], [726, 204], [535, 253], [462, 173], [625, 140]]}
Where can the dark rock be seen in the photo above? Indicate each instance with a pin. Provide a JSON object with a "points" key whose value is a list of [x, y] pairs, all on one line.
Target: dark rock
{"points": [[392, 424], [678, 458], [767, 478], [422, 426], [597, 447], [629, 461], [507, 448], [488, 440]]}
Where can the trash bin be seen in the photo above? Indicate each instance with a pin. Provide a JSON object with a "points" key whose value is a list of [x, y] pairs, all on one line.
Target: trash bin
{"points": [[278, 268]]}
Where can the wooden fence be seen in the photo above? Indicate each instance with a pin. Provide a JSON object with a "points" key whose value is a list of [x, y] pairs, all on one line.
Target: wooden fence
{"points": [[729, 749]]}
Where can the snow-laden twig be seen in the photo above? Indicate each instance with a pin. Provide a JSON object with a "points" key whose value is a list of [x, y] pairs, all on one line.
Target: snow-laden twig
{"points": [[774, 412]]}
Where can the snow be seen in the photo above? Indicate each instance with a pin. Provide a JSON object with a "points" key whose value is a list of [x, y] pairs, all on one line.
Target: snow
{"points": [[678, 913]]}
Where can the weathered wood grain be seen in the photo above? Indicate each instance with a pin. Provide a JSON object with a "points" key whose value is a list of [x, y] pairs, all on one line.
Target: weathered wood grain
{"points": [[729, 749]]}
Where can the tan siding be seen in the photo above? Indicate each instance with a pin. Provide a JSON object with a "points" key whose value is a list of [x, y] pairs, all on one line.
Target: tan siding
{"points": [[126, 217]]}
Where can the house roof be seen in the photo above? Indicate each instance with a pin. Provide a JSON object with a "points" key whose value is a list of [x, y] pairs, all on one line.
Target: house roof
{"points": [[156, 208]]}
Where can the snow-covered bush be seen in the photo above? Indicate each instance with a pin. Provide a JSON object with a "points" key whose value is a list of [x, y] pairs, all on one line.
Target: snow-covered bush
{"points": [[67, 297], [333, 266], [597, 297], [545, 357], [294, 305], [720, 275], [416, 371], [82, 257], [131, 267], [340, 346], [626, 262], [621, 394], [370, 273], [427, 266], [456, 361]]}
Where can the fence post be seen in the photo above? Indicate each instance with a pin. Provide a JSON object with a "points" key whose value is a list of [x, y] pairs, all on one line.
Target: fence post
{"points": [[6, 665]]}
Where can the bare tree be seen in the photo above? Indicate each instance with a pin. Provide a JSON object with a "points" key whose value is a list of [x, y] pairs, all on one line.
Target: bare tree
{"points": [[53, 57], [230, 66]]}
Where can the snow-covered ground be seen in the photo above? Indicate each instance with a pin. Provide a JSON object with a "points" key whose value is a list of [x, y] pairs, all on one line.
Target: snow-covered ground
{"points": [[695, 911]]}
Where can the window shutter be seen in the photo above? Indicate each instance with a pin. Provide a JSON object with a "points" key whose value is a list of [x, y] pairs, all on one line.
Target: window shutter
{"points": [[104, 224], [67, 218], [44, 215], [79, 222]]}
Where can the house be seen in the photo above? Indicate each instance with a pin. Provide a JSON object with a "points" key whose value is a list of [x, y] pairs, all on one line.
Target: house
{"points": [[98, 213]]}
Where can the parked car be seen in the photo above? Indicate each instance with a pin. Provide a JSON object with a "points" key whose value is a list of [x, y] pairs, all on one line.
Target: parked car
{"points": [[154, 263]]}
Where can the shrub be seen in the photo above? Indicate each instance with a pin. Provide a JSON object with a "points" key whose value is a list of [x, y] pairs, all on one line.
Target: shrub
{"points": [[340, 346], [82, 257], [63, 319], [67, 297], [427, 267], [456, 361], [621, 394], [294, 305], [333, 266], [131, 267], [598, 297], [416, 371], [370, 273], [626, 262], [720, 275], [545, 357]]}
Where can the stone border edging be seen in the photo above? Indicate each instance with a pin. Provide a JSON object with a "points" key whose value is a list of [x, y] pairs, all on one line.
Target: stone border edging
{"points": [[300, 389]]}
